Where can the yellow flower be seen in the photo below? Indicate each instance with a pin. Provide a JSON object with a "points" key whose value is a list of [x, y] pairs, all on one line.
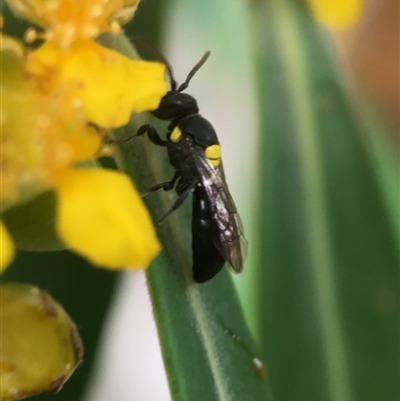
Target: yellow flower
{"points": [[107, 85], [68, 20], [51, 96], [338, 14], [41, 134]]}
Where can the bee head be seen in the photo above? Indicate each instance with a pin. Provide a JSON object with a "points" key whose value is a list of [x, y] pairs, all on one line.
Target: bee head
{"points": [[174, 105]]}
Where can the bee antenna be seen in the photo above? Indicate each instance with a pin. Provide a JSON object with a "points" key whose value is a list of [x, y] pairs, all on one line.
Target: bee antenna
{"points": [[196, 68], [159, 56]]}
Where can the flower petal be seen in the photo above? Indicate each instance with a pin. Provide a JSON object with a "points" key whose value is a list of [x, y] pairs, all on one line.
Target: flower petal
{"points": [[109, 85], [102, 217], [6, 247]]}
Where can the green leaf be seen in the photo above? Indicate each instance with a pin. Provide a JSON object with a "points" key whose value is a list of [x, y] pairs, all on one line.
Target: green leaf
{"points": [[32, 224], [328, 276], [195, 322], [207, 348]]}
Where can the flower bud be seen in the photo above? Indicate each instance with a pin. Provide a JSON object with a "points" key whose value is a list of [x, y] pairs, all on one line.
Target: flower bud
{"points": [[41, 346]]}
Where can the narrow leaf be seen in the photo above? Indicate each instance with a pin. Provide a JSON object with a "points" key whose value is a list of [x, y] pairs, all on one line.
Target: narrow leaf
{"points": [[207, 348], [328, 302]]}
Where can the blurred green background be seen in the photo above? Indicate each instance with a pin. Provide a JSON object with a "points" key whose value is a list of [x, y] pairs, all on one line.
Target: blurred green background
{"points": [[309, 129]]}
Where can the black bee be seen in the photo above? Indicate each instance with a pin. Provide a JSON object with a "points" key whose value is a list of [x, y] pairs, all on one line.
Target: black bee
{"points": [[195, 154]]}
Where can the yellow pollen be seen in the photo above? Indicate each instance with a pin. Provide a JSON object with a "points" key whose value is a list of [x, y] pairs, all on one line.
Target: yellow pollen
{"points": [[52, 5], [90, 30], [96, 11], [115, 28], [175, 135], [213, 154], [31, 35]]}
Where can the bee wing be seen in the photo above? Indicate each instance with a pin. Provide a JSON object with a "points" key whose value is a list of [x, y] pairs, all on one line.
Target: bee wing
{"points": [[231, 242]]}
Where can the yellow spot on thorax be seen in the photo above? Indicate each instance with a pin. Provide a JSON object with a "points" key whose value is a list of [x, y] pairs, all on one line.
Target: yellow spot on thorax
{"points": [[213, 154], [175, 135]]}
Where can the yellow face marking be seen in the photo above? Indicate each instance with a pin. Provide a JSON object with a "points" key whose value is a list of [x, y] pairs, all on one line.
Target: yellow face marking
{"points": [[213, 154], [175, 135]]}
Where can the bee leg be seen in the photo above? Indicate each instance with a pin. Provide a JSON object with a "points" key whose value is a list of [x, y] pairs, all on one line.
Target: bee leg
{"points": [[152, 134], [146, 128], [178, 202], [166, 186]]}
